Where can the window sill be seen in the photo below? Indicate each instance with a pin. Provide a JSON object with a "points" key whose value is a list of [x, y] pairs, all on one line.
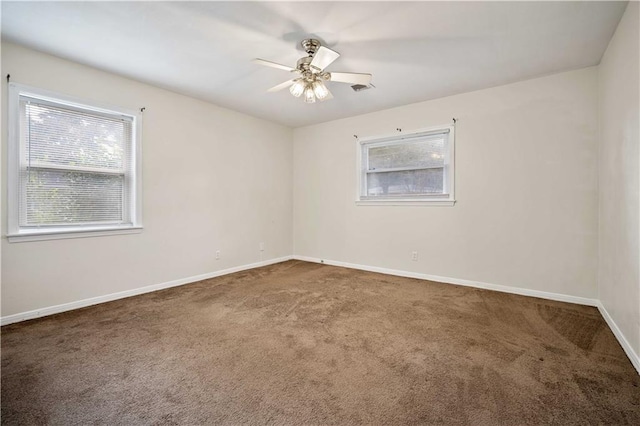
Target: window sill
{"points": [[41, 235], [405, 202]]}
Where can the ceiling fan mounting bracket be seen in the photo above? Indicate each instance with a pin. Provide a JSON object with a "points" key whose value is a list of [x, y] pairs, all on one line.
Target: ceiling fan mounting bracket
{"points": [[310, 45]]}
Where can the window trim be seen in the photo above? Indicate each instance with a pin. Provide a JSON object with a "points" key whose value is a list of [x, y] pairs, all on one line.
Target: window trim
{"points": [[14, 232], [420, 200]]}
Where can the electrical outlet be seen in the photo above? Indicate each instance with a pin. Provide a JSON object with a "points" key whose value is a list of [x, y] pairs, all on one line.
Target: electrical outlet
{"points": [[414, 256], [217, 254], [261, 246]]}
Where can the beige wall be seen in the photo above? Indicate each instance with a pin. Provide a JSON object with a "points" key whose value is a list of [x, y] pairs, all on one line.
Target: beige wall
{"points": [[619, 254], [526, 185], [533, 212], [213, 180], [526, 189]]}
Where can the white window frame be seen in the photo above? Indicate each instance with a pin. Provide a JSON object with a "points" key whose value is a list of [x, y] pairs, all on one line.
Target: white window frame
{"points": [[447, 199], [17, 234]]}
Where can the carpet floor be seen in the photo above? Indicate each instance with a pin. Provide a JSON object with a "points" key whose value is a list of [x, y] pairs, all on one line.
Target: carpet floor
{"points": [[303, 343]]}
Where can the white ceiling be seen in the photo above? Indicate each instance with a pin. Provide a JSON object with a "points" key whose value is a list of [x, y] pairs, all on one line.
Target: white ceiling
{"points": [[415, 50]]}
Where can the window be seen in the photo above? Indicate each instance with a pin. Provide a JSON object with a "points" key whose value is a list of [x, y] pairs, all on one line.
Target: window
{"points": [[74, 168], [415, 168]]}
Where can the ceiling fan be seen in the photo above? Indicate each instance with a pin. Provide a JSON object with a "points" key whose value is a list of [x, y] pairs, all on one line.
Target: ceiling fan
{"points": [[312, 75]]}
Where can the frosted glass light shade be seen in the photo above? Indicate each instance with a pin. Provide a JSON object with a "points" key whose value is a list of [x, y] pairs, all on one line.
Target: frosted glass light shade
{"points": [[309, 96], [297, 88], [320, 90]]}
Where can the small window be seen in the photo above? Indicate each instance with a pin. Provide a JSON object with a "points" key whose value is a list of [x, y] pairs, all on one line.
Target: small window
{"points": [[74, 167], [413, 168]]}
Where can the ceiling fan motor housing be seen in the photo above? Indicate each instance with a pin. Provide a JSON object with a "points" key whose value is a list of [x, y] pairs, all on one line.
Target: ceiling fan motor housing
{"points": [[304, 66], [303, 63]]}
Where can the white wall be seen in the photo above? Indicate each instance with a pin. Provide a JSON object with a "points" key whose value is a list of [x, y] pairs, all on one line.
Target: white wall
{"points": [[526, 185], [213, 180], [619, 253]]}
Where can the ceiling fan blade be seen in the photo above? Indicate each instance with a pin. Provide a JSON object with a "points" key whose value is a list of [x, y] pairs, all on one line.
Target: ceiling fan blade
{"points": [[323, 58], [281, 86], [273, 65], [350, 77]]}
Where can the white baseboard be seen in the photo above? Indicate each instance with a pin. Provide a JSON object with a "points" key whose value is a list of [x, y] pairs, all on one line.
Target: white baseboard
{"points": [[633, 356], [50, 310], [468, 283]]}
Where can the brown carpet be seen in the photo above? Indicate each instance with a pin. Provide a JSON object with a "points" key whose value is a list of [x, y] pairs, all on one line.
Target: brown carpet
{"points": [[303, 343]]}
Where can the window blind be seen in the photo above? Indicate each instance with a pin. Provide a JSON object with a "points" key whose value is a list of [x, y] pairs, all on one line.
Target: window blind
{"points": [[414, 166], [75, 165]]}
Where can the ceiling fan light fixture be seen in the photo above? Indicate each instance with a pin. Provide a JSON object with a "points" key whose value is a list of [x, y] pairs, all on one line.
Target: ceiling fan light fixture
{"points": [[309, 96], [319, 89], [310, 83], [297, 88]]}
